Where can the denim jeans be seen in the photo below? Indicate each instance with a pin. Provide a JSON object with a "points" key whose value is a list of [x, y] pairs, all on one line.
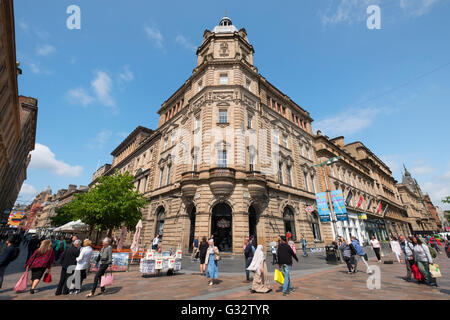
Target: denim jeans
{"points": [[304, 250], [287, 281]]}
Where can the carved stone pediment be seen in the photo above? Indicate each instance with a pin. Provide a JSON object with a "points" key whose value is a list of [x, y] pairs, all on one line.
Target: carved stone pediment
{"points": [[223, 96]]}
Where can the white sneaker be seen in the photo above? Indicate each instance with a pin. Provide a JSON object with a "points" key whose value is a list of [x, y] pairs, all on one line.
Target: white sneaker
{"points": [[210, 283]]}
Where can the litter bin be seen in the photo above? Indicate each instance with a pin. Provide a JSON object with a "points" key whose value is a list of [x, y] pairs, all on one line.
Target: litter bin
{"points": [[331, 255]]}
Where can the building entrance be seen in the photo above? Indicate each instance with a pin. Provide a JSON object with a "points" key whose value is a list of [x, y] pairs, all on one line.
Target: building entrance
{"points": [[221, 227]]}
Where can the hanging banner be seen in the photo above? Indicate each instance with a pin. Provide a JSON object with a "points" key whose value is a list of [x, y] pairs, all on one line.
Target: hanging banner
{"points": [[361, 199], [362, 216], [322, 207], [339, 205], [15, 218]]}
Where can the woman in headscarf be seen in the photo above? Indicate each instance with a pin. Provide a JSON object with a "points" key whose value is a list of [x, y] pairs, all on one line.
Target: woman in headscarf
{"points": [[259, 267]]}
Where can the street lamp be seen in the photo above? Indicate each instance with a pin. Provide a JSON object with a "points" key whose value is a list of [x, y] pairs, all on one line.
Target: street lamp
{"points": [[333, 215]]}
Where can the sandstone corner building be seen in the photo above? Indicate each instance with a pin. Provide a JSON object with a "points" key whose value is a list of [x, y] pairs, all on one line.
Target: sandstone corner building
{"points": [[232, 157]]}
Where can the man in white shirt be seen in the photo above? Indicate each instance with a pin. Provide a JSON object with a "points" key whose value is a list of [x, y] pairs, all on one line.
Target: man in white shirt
{"points": [[376, 247]]}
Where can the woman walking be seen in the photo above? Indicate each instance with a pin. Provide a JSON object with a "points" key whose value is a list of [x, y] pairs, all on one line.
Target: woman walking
{"points": [[259, 266], [203, 247], [376, 247], [105, 259], [212, 256], [396, 249], [347, 255], [42, 259], [423, 259], [82, 264]]}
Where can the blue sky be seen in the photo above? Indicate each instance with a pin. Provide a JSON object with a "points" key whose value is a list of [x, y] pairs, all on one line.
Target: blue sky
{"points": [[389, 88]]}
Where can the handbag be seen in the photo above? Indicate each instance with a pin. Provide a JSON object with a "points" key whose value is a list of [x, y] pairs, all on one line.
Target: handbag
{"points": [[21, 285], [48, 277], [278, 276], [107, 280], [434, 270], [216, 257], [416, 273]]}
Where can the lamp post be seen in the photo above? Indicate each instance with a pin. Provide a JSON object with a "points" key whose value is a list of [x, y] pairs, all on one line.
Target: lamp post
{"points": [[327, 192]]}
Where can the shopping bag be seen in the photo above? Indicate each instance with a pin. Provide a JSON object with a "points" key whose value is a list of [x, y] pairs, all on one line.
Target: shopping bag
{"points": [[434, 270], [107, 280], [278, 276], [416, 273], [48, 277], [21, 285]]}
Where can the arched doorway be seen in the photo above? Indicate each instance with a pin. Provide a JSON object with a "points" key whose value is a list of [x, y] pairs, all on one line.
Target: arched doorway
{"points": [[192, 228], [252, 223], [315, 226], [221, 227], [160, 222], [289, 222]]}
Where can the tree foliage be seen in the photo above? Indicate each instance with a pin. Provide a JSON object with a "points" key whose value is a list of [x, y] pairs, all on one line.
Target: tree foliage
{"points": [[63, 215], [446, 200], [108, 205]]}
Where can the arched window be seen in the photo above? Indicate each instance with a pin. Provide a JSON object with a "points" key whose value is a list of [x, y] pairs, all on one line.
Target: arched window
{"points": [[289, 222], [160, 222], [315, 226]]}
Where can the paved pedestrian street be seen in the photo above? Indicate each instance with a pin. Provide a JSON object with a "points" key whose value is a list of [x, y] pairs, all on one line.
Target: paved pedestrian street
{"points": [[318, 282]]}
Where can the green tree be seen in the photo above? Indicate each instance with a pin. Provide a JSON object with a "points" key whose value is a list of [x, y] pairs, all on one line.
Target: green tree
{"points": [[446, 200], [63, 215], [108, 205]]}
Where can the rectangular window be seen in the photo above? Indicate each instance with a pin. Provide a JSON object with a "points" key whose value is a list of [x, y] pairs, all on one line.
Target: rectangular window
{"points": [[276, 138], [289, 175], [200, 85], [195, 161], [168, 175], [301, 149], [313, 183], [285, 141], [222, 159], [197, 123], [223, 78], [306, 181], [172, 139], [223, 116], [161, 176], [251, 161], [307, 152], [247, 84], [165, 144], [249, 122], [280, 173]]}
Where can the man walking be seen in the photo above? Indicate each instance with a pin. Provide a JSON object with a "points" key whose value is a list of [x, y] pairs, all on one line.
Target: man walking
{"points": [[408, 250], [9, 255], [194, 249], [285, 255], [68, 258], [360, 252], [303, 242], [248, 253]]}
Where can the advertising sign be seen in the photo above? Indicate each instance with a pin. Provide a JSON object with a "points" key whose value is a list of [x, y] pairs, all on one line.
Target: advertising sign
{"points": [[362, 216], [148, 266], [339, 205], [15, 218], [322, 207], [119, 261]]}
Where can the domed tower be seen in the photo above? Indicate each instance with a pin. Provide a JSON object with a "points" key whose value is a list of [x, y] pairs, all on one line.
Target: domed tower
{"points": [[225, 42]]}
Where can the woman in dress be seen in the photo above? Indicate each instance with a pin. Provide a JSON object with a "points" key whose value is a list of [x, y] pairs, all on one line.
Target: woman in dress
{"points": [[42, 259], [212, 256], [396, 249], [259, 266], [203, 247]]}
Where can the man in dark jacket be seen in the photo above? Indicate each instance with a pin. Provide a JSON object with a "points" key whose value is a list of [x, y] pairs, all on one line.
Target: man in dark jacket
{"points": [[285, 254], [33, 244], [68, 258], [8, 255], [248, 253]]}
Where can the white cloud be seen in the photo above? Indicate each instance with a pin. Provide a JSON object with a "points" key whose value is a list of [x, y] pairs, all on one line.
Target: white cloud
{"points": [[45, 50], [347, 11], [422, 169], [42, 158], [393, 161], [23, 25], [417, 7], [348, 122], [27, 192], [185, 43], [155, 35], [35, 68], [79, 96], [438, 190], [100, 139], [125, 75], [102, 85]]}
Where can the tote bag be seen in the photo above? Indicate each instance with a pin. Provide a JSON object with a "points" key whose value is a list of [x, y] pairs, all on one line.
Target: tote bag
{"points": [[278, 276], [21, 285], [434, 270], [107, 280]]}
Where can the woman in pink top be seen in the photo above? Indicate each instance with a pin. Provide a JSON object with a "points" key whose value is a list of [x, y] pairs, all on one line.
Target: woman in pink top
{"points": [[376, 247]]}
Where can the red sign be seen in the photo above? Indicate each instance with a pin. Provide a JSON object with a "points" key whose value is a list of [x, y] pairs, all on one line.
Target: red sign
{"points": [[361, 199], [309, 209]]}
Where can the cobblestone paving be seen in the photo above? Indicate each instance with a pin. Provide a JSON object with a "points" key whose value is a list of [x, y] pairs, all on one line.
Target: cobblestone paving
{"points": [[321, 281]]}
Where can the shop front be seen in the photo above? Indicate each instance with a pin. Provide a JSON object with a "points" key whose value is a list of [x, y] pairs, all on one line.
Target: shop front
{"points": [[375, 226]]}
